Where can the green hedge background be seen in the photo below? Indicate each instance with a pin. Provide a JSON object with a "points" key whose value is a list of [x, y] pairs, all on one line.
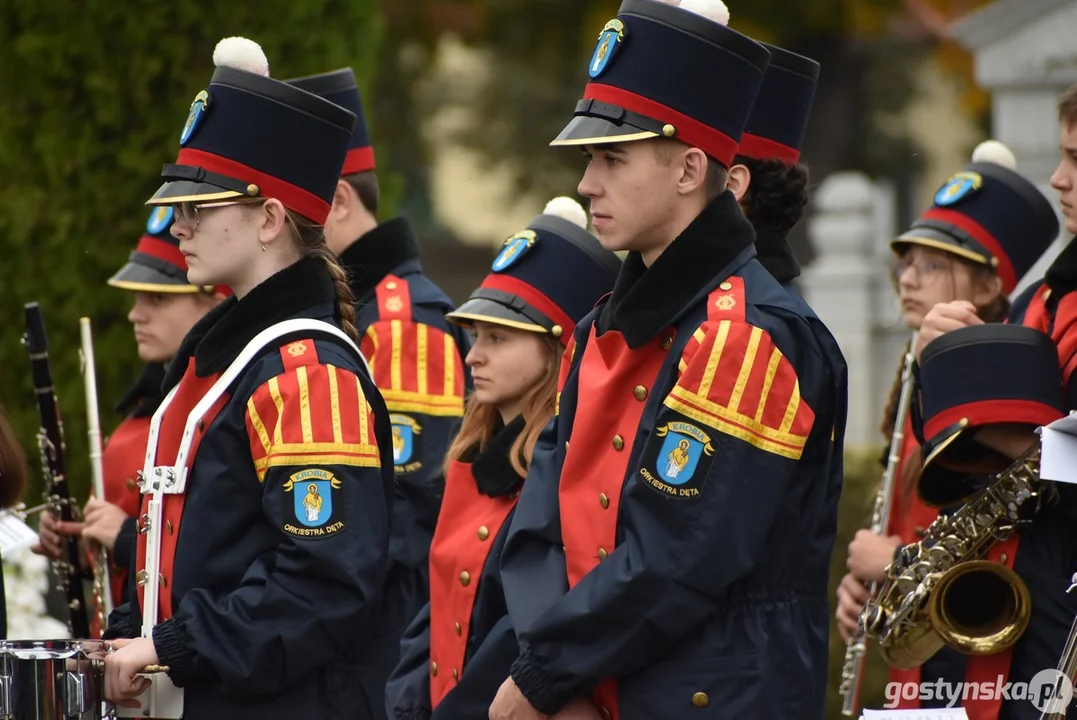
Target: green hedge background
{"points": [[93, 100]]}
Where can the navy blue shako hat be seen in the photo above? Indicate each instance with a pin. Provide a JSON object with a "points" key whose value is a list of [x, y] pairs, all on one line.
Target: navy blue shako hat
{"points": [[779, 118], [649, 71], [249, 136], [977, 376], [339, 87], [546, 278], [156, 264], [989, 214]]}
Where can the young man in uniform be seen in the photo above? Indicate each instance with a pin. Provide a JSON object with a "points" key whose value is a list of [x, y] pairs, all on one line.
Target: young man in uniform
{"points": [[165, 308], [416, 357], [655, 579], [1040, 553]]}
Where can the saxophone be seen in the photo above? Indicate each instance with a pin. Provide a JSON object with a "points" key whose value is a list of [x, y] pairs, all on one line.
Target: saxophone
{"points": [[941, 591], [853, 667]]}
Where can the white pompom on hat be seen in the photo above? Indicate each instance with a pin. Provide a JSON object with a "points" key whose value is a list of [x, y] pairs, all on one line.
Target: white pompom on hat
{"points": [[567, 209], [240, 53], [715, 10], [993, 151]]}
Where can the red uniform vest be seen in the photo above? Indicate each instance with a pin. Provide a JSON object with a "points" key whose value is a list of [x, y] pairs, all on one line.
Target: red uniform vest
{"points": [[468, 523], [191, 389], [614, 382]]}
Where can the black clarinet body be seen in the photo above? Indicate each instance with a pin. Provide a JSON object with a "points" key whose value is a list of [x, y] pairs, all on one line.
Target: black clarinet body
{"points": [[50, 440]]}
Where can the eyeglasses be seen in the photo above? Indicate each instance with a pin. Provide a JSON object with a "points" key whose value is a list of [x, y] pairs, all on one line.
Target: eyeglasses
{"points": [[188, 212], [927, 269]]}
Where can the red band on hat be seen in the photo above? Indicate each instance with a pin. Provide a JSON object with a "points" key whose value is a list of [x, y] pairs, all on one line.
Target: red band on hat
{"points": [[162, 250], [715, 143], [761, 148], [989, 412], [294, 197], [980, 234], [358, 160], [531, 295]]}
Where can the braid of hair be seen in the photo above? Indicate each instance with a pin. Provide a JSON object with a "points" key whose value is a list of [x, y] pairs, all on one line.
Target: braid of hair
{"points": [[312, 242]]}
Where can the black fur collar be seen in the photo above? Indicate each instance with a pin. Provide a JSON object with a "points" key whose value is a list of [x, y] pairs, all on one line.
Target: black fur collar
{"points": [[776, 255], [375, 254], [221, 335], [145, 396], [491, 467], [1062, 275], [646, 301]]}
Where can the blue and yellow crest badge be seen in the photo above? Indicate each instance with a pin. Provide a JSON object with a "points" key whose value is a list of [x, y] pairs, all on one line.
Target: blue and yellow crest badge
{"points": [[407, 456], [957, 187], [609, 41], [316, 507], [194, 116], [160, 220], [514, 249], [677, 459]]}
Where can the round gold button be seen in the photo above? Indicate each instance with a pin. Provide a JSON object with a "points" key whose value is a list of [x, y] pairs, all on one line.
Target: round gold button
{"points": [[434, 669], [726, 286], [484, 532], [455, 674], [168, 526], [640, 393], [465, 578], [130, 483], [602, 554], [1003, 558], [606, 713], [457, 628], [604, 501], [668, 130], [391, 285], [618, 443], [700, 699], [667, 343], [566, 445]]}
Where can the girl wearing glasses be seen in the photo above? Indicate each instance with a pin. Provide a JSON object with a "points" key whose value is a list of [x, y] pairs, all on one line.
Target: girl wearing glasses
{"points": [[546, 278], [986, 228], [253, 604]]}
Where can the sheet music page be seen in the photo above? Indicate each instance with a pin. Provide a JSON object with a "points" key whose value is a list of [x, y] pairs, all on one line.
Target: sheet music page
{"points": [[929, 714], [1058, 457], [14, 534]]}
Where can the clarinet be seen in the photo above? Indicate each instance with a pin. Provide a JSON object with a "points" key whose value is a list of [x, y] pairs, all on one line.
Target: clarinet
{"points": [[852, 673], [50, 441]]}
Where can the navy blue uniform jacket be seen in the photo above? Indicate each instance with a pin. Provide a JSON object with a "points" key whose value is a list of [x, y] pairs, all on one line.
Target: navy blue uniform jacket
{"points": [[491, 642], [270, 620], [714, 601]]}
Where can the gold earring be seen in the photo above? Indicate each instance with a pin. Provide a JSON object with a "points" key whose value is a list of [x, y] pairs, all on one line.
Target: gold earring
{"points": [[263, 247]]}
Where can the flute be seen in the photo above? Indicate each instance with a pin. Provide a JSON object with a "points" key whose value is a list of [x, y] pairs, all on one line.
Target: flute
{"points": [[102, 589]]}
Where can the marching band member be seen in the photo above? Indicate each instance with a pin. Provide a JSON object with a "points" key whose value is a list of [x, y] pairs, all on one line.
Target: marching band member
{"points": [[165, 308], [545, 280], [273, 544], [656, 556], [774, 202], [936, 262], [1041, 553], [415, 355]]}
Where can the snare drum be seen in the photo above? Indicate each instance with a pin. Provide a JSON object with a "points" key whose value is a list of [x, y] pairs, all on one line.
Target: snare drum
{"points": [[52, 679]]}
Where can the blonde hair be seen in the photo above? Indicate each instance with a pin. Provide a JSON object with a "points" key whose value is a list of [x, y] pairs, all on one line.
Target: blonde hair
{"points": [[480, 419]]}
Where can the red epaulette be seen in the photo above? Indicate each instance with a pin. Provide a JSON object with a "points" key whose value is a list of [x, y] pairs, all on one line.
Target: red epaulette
{"points": [[394, 298]]}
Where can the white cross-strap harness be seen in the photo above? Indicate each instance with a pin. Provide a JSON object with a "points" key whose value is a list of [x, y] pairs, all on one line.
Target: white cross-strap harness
{"points": [[164, 700]]}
